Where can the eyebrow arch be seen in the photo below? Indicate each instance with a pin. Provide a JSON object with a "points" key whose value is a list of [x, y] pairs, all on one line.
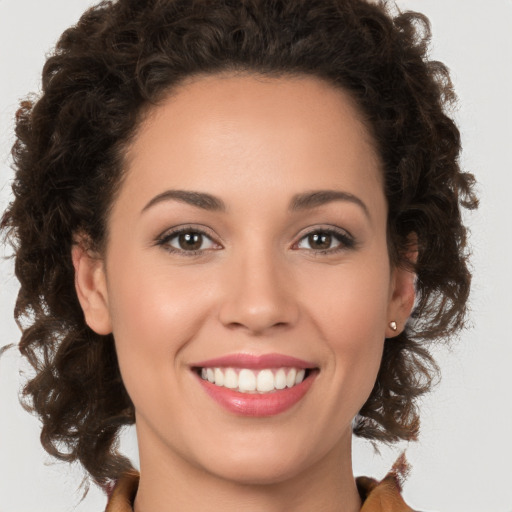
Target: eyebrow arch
{"points": [[317, 198], [198, 199]]}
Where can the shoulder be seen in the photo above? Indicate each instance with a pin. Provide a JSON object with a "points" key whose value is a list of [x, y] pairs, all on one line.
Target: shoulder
{"points": [[123, 494], [383, 496]]}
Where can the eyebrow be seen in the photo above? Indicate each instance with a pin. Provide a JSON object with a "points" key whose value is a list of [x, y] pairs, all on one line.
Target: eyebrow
{"points": [[198, 199], [305, 201], [317, 198]]}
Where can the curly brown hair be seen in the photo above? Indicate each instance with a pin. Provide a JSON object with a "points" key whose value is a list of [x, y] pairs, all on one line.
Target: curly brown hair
{"points": [[124, 57]]}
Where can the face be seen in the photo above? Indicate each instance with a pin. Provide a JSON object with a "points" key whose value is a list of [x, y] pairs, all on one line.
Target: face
{"points": [[246, 277]]}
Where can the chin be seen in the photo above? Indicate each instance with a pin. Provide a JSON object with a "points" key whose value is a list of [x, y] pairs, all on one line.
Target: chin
{"points": [[256, 472], [257, 466]]}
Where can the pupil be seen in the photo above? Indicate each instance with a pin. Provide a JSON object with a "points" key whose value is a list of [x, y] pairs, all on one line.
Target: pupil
{"points": [[320, 240], [190, 241]]}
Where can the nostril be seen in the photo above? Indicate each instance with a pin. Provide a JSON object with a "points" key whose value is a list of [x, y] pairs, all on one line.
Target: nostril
{"points": [[257, 327], [235, 325]]}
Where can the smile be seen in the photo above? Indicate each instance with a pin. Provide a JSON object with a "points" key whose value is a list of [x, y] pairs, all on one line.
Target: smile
{"points": [[262, 385], [246, 380]]}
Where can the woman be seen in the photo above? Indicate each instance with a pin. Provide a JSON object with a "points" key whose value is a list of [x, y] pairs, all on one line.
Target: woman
{"points": [[224, 214]]}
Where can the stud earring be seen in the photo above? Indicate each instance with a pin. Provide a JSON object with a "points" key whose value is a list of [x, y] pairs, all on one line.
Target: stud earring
{"points": [[392, 325]]}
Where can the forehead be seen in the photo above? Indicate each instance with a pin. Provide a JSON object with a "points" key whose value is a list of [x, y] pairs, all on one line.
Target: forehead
{"points": [[230, 129]]}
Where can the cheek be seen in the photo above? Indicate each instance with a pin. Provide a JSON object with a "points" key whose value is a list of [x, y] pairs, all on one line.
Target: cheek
{"points": [[154, 314], [350, 312], [349, 301]]}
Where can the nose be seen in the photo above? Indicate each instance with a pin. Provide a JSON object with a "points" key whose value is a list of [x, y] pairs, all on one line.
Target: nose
{"points": [[260, 295]]}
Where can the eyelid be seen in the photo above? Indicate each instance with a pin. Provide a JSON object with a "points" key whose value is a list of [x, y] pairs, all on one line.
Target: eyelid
{"points": [[347, 240], [170, 233]]}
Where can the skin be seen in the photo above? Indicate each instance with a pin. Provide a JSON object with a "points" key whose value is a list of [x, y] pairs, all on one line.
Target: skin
{"points": [[257, 286]]}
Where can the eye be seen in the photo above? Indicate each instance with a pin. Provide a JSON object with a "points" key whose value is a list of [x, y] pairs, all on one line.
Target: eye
{"points": [[187, 240], [325, 240], [191, 241]]}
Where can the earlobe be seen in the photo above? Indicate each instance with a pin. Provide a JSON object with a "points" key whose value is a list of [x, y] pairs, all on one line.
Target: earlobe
{"points": [[403, 294], [91, 288], [402, 301]]}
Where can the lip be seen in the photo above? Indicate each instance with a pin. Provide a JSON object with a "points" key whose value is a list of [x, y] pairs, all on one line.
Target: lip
{"points": [[255, 362], [265, 404], [257, 405]]}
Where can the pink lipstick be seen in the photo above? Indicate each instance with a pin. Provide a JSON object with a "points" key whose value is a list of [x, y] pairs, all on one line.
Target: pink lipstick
{"points": [[256, 385]]}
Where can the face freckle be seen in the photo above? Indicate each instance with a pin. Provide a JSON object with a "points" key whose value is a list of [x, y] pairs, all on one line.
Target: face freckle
{"points": [[251, 224]]}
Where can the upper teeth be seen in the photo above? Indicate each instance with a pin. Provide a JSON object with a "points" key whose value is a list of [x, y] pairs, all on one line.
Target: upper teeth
{"points": [[245, 380]]}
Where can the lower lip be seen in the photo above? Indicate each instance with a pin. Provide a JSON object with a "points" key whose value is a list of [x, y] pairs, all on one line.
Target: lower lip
{"points": [[256, 404]]}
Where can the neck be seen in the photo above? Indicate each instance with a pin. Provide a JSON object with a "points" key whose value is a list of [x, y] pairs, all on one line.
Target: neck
{"points": [[170, 483]]}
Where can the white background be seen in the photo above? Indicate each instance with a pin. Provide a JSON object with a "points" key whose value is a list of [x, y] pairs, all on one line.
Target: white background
{"points": [[463, 461]]}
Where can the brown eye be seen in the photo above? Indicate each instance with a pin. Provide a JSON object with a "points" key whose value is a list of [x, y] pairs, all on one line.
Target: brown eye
{"points": [[320, 241], [325, 241], [188, 241]]}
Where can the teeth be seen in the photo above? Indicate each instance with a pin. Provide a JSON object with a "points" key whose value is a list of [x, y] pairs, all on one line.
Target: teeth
{"points": [[219, 377], [290, 378], [245, 380], [265, 381], [280, 379], [230, 379]]}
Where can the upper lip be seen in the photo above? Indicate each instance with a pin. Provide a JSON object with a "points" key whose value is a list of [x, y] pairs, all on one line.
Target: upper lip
{"points": [[256, 362]]}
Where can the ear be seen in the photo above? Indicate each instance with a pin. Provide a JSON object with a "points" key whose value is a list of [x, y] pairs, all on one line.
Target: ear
{"points": [[402, 290], [91, 288]]}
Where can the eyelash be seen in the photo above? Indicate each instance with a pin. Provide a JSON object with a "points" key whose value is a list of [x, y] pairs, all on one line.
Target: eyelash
{"points": [[165, 239], [346, 241]]}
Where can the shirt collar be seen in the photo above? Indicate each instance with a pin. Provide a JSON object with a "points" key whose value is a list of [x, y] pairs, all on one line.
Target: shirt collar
{"points": [[383, 496]]}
